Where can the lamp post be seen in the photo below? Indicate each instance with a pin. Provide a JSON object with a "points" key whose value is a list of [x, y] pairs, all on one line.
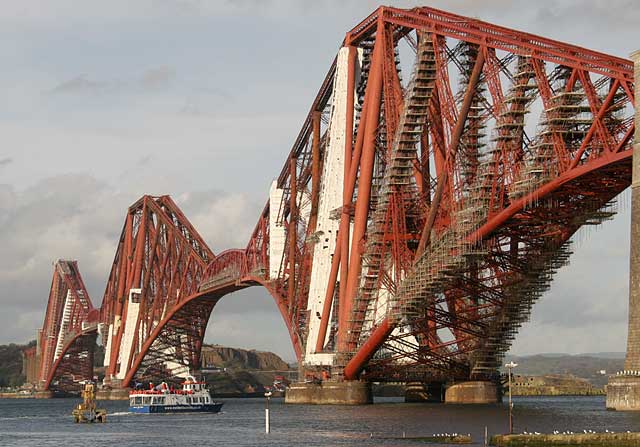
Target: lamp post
{"points": [[510, 367], [267, 428]]}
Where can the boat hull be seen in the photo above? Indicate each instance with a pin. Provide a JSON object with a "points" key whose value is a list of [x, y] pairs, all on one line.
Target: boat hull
{"points": [[152, 409]]}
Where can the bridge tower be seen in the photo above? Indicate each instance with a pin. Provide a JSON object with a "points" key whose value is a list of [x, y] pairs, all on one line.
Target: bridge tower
{"points": [[623, 390]]}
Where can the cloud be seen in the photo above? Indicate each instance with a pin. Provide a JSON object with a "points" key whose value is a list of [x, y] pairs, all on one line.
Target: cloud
{"points": [[75, 216], [94, 11], [171, 104], [624, 14], [151, 80], [60, 217], [227, 220], [80, 84], [158, 77], [144, 161]]}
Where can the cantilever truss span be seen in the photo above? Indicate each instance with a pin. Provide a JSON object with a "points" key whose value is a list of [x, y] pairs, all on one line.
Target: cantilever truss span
{"points": [[424, 207]]}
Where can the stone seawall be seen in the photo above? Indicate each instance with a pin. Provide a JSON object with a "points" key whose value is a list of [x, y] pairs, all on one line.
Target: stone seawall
{"points": [[553, 385], [584, 440], [17, 396], [557, 391]]}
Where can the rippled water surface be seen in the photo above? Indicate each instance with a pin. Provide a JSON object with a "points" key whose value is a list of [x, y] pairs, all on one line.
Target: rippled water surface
{"points": [[48, 423]]}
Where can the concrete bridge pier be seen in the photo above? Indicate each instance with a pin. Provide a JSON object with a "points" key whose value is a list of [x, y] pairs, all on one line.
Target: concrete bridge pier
{"points": [[329, 393], [113, 394], [432, 392], [43, 394], [473, 392], [623, 390]]}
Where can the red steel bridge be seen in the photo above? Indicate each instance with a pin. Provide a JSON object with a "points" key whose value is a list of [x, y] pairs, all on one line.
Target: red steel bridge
{"points": [[424, 207]]}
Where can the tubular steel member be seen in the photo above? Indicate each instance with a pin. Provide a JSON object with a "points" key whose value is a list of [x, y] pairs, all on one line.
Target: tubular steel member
{"points": [[364, 189], [345, 220], [347, 193], [315, 172], [453, 149], [292, 230]]}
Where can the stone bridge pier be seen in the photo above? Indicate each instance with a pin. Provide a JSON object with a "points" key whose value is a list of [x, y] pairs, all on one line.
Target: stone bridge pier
{"points": [[623, 390]]}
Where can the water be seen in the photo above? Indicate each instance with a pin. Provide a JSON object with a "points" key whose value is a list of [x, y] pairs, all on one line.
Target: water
{"points": [[26, 422]]}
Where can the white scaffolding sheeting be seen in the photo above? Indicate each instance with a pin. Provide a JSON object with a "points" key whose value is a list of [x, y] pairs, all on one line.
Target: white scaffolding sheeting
{"points": [[276, 230], [64, 325], [330, 198], [133, 308]]}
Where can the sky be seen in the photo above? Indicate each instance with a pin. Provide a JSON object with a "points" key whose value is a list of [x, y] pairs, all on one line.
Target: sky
{"points": [[202, 99]]}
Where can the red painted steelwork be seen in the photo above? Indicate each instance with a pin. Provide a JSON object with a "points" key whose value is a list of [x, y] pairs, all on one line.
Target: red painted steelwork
{"points": [[457, 207]]}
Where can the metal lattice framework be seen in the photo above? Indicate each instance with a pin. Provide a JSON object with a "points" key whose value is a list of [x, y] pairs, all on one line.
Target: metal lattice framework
{"points": [[66, 342], [159, 264], [425, 206]]}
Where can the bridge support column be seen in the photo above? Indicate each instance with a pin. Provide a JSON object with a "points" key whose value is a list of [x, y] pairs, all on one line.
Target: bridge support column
{"points": [[329, 393], [113, 394], [44, 394], [623, 390], [478, 392], [432, 392]]}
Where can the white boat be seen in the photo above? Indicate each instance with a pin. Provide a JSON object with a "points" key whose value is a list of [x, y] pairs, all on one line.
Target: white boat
{"points": [[193, 397]]}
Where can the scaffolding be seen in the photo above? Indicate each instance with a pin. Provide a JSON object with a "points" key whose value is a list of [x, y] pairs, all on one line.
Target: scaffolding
{"points": [[396, 184]]}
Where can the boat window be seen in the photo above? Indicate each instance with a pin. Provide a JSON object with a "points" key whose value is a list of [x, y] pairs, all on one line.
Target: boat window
{"points": [[146, 400], [137, 400], [188, 400], [160, 399]]}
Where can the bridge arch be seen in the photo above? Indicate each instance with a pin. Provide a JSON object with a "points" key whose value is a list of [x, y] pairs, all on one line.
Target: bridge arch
{"points": [[191, 317], [74, 365]]}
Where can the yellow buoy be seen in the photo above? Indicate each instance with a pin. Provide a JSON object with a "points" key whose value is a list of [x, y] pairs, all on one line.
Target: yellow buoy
{"points": [[86, 411]]}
